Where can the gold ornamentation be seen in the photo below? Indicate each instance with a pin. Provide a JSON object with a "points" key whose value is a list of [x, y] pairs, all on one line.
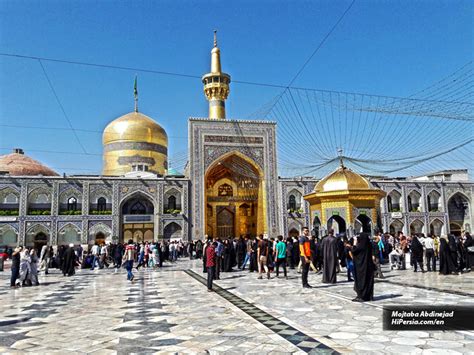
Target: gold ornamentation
{"points": [[139, 136], [346, 189]]}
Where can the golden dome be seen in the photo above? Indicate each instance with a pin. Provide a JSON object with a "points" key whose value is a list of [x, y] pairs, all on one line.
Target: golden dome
{"points": [[18, 164], [134, 140], [343, 179], [135, 126]]}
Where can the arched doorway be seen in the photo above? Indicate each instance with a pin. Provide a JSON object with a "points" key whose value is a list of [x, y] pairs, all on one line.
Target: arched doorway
{"points": [[8, 236], [416, 227], [39, 240], [173, 231], [138, 218], [100, 238], [338, 224], [69, 234], [294, 233], [234, 180], [316, 226], [225, 222], [395, 227], [458, 211], [436, 227], [365, 224], [455, 229]]}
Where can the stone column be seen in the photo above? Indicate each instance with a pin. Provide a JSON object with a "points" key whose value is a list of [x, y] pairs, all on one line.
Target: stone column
{"points": [[85, 198], [115, 211]]}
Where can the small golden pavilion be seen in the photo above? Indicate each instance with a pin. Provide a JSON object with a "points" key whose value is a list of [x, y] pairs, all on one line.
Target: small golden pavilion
{"points": [[345, 202]]}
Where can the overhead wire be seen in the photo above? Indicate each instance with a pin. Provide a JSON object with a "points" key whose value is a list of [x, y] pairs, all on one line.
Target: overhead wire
{"points": [[61, 106]]}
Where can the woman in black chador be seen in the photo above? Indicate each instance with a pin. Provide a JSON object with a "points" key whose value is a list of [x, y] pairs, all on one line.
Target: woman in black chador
{"points": [[453, 248], [363, 269], [227, 265], [69, 264], [447, 265], [469, 245], [417, 253]]}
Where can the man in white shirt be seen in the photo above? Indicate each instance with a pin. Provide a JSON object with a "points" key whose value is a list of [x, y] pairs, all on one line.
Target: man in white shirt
{"points": [[95, 255], [103, 256], [430, 253]]}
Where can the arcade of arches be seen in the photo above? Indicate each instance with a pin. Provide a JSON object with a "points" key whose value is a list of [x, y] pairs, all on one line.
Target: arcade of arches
{"points": [[235, 198]]}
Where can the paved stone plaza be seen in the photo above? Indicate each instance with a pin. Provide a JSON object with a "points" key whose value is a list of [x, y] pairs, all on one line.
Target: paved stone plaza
{"points": [[170, 311]]}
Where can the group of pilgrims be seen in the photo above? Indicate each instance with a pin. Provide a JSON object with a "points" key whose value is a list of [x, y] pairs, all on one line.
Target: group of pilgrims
{"points": [[266, 255], [27, 262], [361, 256]]}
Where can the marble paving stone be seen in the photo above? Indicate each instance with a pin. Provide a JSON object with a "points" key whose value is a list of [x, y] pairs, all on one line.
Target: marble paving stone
{"points": [[168, 311]]}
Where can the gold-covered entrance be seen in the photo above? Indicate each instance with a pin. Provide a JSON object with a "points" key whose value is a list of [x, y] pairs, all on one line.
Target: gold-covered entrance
{"points": [[234, 197]]}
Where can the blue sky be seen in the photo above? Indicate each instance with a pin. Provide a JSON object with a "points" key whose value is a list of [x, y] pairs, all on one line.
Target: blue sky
{"points": [[392, 48]]}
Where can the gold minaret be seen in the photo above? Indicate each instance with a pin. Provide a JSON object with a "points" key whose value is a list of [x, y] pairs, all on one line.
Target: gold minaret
{"points": [[216, 84]]}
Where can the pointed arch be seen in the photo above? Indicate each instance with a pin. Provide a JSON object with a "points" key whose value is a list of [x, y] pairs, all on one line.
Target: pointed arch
{"points": [[99, 229], [69, 234], [230, 179], [137, 194], [238, 154], [396, 226], [99, 192], [294, 202], [414, 201], [38, 235], [434, 200], [173, 231], [39, 201], [172, 200], [9, 195], [436, 227], [458, 211], [417, 227], [8, 236], [394, 198], [70, 192], [461, 193]]}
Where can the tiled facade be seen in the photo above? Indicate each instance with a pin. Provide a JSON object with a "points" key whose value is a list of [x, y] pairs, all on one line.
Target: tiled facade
{"points": [[53, 218], [42, 205]]}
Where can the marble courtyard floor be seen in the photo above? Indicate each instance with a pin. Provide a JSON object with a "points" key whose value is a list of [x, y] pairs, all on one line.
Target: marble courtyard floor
{"points": [[170, 311]]}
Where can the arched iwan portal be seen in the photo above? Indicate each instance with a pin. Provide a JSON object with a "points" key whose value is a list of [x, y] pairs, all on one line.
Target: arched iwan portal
{"points": [[235, 197], [137, 218], [458, 211], [173, 231]]}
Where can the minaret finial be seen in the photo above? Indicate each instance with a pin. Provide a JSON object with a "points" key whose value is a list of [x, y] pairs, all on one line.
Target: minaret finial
{"points": [[341, 161], [216, 84], [135, 94]]}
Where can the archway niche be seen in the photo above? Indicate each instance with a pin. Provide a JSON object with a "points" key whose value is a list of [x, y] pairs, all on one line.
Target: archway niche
{"points": [[233, 181], [338, 224]]}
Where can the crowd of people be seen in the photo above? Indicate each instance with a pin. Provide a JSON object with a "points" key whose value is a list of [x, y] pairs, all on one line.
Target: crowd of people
{"points": [[360, 256], [27, 263]]}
